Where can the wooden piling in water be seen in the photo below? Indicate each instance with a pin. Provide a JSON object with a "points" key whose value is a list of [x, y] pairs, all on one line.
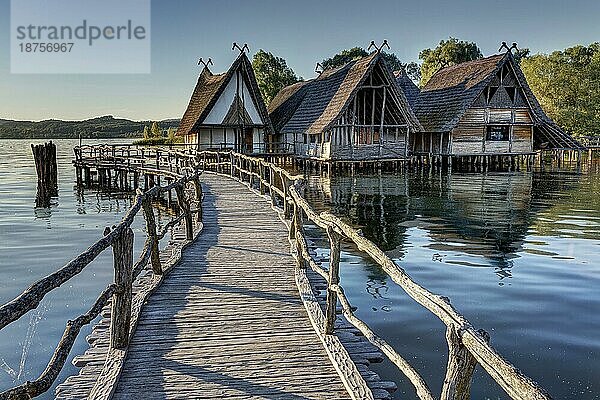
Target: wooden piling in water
{"points": [[44, 156]]}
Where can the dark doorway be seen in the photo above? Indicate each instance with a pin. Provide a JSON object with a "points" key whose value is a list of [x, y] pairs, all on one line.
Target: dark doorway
{"points": [[248, 140]]}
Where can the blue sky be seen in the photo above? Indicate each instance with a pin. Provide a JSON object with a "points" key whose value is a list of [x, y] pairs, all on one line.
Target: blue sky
{"points": [[302, 32]]}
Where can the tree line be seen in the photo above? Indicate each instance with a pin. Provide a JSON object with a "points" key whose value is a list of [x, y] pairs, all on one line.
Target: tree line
{"points": [[566, 82], [158, 136], [95, 128]]}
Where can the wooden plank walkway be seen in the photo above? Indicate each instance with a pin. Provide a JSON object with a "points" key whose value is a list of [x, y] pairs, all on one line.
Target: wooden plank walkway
{"points": [[228, 320]]}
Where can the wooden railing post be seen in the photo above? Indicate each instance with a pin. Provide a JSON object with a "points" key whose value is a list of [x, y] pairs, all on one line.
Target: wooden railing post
{"points": [[185, 208], [271, 186], [294, 222], [261, 173], [334, 279], [198, 187], [151, 230], [231, 157], [297, 228], [461, 364], [121, 303], [284, 186]]}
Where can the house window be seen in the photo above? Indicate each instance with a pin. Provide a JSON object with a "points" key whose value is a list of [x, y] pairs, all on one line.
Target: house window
{"points": [[497, 133]]}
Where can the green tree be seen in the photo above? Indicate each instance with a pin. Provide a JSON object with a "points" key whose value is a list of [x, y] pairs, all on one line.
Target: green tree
{"points": [[146, 132], [272, 74], [413, 70], [344, 57], [171, 135], [448, 52], [521, 54], [567, 85], [391, 60], [155, 130]]}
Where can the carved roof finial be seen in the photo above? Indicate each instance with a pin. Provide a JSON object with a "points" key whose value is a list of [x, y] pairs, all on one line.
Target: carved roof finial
{"points": [[205, 63], [378, 48], [242, 49], [319, 68]]}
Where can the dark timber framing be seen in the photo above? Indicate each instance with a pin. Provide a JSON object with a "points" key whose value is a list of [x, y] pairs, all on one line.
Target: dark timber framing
{"points": [[352, 113]]}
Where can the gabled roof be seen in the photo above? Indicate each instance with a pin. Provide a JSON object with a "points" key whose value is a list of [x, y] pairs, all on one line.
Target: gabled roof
{"points": [[411, 91], [313, 106], [452, 90], [208, 89]]}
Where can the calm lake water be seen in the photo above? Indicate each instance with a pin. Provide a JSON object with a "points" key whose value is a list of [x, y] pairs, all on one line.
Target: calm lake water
{"points": [[516, 253], [36, 242]]}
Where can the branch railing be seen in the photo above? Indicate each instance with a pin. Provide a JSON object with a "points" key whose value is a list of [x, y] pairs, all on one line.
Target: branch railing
{"points": [[147, 159], [467, 346], [119, 293]]}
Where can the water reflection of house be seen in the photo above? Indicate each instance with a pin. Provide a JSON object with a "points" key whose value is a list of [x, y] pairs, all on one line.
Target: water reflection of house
{"points": [[481, 215], [354, 112], [226, 111], [481, 108]]}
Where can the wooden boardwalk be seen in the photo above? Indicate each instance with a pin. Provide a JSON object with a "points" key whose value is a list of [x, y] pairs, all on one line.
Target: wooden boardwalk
{"points": [[228, 321]]}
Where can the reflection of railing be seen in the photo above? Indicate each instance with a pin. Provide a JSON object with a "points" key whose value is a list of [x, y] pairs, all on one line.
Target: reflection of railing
{"points": [[467, 346], [120, 238]]}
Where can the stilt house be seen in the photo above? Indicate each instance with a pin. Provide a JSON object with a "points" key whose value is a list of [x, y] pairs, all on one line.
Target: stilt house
{"points": [[354, 112], [483, 107], [226, 111]]}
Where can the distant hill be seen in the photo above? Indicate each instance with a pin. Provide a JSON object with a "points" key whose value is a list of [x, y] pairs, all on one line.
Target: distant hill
{"points": [[95, 128]]}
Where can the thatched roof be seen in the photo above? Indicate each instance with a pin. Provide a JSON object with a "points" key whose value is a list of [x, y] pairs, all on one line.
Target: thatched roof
{"points": [[313, 106], [210, 86], [452, 90], [411, 91]]}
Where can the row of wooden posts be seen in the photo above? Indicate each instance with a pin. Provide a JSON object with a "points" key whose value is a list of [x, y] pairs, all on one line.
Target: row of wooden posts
{"points": [[474, 163], [154, 157]]}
